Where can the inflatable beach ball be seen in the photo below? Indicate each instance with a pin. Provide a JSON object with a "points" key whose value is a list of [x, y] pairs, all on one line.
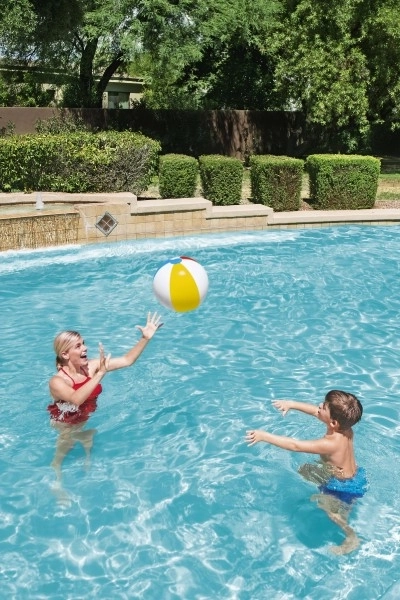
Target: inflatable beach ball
{"points": [[181, 284]]}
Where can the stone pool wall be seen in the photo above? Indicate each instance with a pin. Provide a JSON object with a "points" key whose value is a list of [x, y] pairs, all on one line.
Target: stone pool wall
{"points": [[94, 218], [33, 231]]}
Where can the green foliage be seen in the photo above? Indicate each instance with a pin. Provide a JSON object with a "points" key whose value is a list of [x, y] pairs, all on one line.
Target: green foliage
{"points": [[73, 94], [321, 68], [78, 162], [177, 176], [340, 182], [7, 130], [87, 40], [62, 122], [210, 55], [242, 78], [221, 179], [339, 63], [276, 181], [19, 88], [57, 18], [379, 32], [17, 23]]}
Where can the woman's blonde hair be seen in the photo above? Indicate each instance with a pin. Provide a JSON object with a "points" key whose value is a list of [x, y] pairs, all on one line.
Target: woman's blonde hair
{"points": [[62, 342]]}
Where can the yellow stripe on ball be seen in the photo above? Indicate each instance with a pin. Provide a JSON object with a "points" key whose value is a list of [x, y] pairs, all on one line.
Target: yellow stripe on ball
{"points": [[184, 292]]}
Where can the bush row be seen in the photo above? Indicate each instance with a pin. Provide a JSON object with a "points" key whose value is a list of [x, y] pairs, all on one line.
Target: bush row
{"points": [[336, 181], [113, 161], [109, 161], [221, 177]]}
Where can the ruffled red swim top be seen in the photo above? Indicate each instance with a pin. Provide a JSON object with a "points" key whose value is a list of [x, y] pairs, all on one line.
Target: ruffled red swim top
{"points": [[66, 412]]}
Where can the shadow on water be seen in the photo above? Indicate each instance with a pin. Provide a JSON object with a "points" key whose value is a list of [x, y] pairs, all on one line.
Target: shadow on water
{"points": [[312, 527]]}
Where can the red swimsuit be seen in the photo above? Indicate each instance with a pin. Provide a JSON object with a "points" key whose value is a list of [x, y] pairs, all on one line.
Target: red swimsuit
{"points": [[66, 412]]}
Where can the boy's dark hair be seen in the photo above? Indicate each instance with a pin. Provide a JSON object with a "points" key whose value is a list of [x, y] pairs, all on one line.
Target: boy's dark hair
{"points": [[344, 408]]}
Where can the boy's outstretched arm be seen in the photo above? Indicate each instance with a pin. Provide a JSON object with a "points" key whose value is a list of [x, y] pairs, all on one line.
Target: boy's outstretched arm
{"points": [[285, 405], [320, 446]]}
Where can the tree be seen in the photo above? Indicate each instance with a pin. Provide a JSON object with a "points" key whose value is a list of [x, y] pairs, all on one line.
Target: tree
{"points": [[17, 21], [23, 88], [216, 55], [83, 38], [339, 62], [380, 43], [104, 42], [193, 47], [320, 68]]}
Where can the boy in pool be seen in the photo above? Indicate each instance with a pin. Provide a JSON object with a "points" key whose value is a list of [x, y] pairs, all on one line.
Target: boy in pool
{"points": [[337, 475]]}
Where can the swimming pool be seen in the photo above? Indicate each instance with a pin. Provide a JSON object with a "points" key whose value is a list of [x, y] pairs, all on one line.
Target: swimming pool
{"points": [[174, 504]]}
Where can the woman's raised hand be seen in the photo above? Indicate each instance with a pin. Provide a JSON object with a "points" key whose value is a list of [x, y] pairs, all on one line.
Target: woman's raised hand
{"points": [[152, 325], [104, 360]]}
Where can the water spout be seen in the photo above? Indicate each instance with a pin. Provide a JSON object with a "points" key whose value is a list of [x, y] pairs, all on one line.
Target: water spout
{"points": [[39, 202]]}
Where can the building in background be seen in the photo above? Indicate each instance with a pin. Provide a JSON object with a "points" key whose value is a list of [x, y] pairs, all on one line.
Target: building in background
{"points": [[121, 92]]}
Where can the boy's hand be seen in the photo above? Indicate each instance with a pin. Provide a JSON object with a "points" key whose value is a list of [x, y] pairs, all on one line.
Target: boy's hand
{"points": [[254, 436], [282, 405]]}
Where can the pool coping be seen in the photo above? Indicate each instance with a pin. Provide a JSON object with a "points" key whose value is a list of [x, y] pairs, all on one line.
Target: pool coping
{"points": [[77, 219], [301, 217], [158, 205], [337, 216]]}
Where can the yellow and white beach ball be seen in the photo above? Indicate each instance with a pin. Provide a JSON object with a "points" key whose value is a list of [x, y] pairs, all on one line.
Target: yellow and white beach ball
{"points": [[181, 284]]}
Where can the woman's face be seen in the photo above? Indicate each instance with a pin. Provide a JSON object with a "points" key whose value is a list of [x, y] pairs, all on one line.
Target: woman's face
{"points": [[77, 353]]}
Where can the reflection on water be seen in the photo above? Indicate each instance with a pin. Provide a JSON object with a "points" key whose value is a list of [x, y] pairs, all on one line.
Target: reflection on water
{"points": [[174, 504]]}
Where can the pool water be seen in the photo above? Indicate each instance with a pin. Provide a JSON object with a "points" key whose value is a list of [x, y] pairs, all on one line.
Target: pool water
{"points": [[174, 504]]}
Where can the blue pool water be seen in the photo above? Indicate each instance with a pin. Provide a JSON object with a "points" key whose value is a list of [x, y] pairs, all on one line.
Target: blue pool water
{"points": [[175, 505]]}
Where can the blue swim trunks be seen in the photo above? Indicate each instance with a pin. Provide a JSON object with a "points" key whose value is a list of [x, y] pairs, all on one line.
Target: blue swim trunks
{"points": [[347, 489]]}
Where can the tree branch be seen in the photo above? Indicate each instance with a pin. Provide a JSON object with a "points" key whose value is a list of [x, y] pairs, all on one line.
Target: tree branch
{"points": [[105, 78]]}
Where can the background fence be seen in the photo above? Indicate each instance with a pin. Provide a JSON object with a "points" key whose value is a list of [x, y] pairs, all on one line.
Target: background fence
{"points": [[238, 133]]}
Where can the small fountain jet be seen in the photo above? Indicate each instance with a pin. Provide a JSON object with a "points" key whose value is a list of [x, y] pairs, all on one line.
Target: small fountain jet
{"points": [[39, 202]]}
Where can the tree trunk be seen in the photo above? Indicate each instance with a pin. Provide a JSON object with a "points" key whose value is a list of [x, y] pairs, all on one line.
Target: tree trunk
{"points": [[105, 78], [86, 80]]}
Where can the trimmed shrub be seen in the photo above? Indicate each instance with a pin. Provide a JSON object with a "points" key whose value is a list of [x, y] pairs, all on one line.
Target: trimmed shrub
{"points": [[276, 181], [340, 182], [177, 176], [221, 179], [109, 161]]}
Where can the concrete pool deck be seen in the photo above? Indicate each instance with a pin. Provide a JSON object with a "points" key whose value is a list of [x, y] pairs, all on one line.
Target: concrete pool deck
{"points": [[93, 218]]}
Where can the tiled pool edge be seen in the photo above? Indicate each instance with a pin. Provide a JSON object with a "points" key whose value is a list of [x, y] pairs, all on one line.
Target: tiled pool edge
{"points": [[77, 221]]}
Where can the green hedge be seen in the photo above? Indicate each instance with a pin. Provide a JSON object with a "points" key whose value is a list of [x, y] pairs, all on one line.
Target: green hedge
{"points": [[276, 181], [340, 182], [221, 179], [177, 177], [109, 161]]}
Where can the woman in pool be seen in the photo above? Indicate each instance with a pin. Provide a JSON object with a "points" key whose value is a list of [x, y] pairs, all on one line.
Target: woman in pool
{"points": [[76, 386]]}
